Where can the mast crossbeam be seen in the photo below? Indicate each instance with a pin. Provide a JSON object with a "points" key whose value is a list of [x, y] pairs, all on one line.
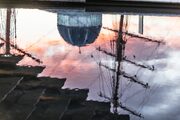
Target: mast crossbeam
{"points": [[139, 65], [125, 59], [129, 110], [125, 75], [22, 51], [135, 80], [137, 36]]}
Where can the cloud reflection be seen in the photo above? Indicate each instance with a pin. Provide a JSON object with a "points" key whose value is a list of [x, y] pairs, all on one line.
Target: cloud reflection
{"points": [[63, 60]]}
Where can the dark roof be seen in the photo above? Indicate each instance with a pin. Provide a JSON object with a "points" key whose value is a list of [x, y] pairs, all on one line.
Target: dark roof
{"points": [[32, 98]]}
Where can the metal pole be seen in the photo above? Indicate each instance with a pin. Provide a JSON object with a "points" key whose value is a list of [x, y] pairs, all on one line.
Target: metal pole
{"points": [[141, 24], [8, 20], [119, 51]]}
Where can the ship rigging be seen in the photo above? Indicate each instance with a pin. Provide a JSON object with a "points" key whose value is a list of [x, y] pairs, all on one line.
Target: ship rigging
{"points": [[9, 60], [118, 53], [11, 17]]}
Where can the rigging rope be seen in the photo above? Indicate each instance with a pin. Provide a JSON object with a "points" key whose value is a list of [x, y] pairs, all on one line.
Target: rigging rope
{"points": [[137, 36], [40, 39], [23, 52], [124, 38], [13, 26]]}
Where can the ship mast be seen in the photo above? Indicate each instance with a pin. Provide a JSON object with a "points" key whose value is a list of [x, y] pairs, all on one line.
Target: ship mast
{"points": [[119, 52], [119, 56], [7, 41], [8, 23], [117, 70]]}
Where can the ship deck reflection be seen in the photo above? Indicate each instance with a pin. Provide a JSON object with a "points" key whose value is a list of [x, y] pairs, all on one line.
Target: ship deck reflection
{"points": [[56, 38]]}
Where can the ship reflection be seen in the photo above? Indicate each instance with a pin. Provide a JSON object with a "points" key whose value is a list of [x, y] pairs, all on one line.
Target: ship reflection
{"points": [[140, 51], [74, 27], [30, 97], [82, 71]]}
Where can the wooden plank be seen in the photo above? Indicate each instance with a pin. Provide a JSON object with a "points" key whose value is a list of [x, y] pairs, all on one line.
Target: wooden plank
{"points": [[101, 111], [22, 71], [110, 116], [76, 95], [31, 83], [51, 106], [23, 100], [7, 84], [55, 102], [85, 110], [18, 104]]}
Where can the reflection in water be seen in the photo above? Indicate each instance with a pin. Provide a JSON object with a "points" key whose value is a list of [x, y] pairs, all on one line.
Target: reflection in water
{"points": [[157, 103], [79, 28]]}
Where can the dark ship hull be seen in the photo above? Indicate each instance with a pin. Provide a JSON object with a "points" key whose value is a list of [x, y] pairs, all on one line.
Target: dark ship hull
{"points": [[22, 71], [11, 60]]}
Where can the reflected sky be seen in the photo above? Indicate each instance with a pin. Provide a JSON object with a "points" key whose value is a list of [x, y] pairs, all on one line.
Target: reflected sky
{"points": [[38, 34]]}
